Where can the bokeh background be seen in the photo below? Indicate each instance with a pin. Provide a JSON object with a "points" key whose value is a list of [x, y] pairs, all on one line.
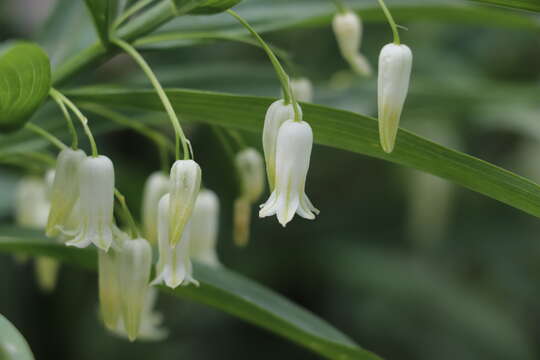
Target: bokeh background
{"points": [[408, 265]]}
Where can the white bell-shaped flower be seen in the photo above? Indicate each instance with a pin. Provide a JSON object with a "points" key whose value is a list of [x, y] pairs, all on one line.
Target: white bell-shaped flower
{"points": [[96, 203], [109, 287], [276, 115], [151, 321], [204, 228], [155, 187], [241, 221], [135, 262], [65, 189], [31, 203], [302, 89], [395, 63], [250, 165], [185, 183], [174, 265], [293, 152]]}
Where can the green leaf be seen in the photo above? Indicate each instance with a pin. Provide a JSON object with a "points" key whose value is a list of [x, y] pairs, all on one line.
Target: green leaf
{"points": [[25, 80], [13, 346], [339, 129], [219, 288], [532, 5], [203, 6], [102, 11]]}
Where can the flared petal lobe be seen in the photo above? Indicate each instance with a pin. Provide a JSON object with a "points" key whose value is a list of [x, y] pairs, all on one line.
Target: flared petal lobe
{"points": [[185, 183], [295, 140], [395, 64]]}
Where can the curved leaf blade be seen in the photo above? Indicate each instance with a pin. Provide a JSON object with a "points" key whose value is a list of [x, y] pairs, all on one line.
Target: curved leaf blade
{"points": [[531, 5], [25, 80], [102, 11], [219, 288], [13, 346], [340, 129]]}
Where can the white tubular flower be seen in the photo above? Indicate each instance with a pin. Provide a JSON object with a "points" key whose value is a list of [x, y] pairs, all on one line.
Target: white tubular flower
{"points": [[109, 287], [46, 269], [156, 186], [302, 89], [31, 204], [65, 189], [276, 115], [96, 203], [135, 262], [150, 329], [241, 221], [250, 165], [174, 265], [361, 65], [395, 63], [204, 228], [185, 183], [348, 31], [293, 151]]}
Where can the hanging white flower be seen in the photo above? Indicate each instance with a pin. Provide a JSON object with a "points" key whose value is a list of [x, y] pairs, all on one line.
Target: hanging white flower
{"points": [[348, 31], [250, 165], [302, 89], [96, 203], [174, 265], [204, 228], [185, 183], [31, 203], [293, 152], [109, 287], [155, 187], [135, 262], [276, 115], [241, 221], [395, 63], [65, 189]]}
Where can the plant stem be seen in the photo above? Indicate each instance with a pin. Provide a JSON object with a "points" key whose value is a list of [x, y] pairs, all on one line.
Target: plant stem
{"points": [[131, 222], [340, 6], [179, 133], [80, 116], [282, 75], [72, 131], [130, 12], [390, 21], [46, 135]]}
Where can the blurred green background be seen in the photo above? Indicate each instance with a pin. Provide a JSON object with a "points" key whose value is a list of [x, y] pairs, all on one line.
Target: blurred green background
{"points": [[410, 266]]}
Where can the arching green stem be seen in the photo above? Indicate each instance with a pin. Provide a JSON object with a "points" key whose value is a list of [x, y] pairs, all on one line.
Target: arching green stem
{"points": [[127, 214], [179, 133], [67, 116], [130, 12], [340, 6], [80, 116], [46, 135], [391, 22]]}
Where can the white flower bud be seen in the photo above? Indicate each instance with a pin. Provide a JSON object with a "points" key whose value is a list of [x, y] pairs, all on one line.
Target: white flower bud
{"points": [[276, 115], [65, 189], [395, 63], [293, 152], [250, 165], [204, 228], [31, 204], [135, 261], [46, 269], [302, 89], [156, 186], [241, 221], [109, 287], [150, 328], [174, 265], [185, 183], [96, 203], [348, 31], [361, 65]]}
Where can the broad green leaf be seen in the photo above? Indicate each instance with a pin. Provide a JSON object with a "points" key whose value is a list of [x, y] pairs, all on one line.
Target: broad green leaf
{"points": [[203, 6], [532, 5], [25, 80], [339, 129], [102, 12], [13, 346], [222, 289], [284, 15]]}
